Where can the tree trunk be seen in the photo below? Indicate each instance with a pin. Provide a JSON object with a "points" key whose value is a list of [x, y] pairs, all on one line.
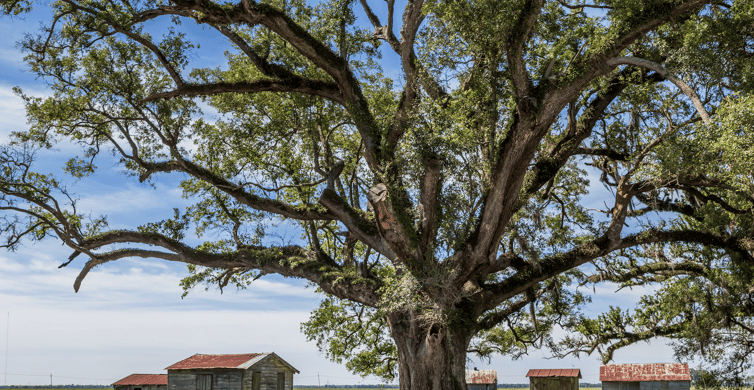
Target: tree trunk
{"points": [[430, 357]]}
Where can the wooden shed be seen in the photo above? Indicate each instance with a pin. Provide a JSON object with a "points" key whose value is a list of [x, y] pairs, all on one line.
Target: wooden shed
{"points": [[481, 379], [554, 379], [250, 371], [142, 382], [654, 376]]}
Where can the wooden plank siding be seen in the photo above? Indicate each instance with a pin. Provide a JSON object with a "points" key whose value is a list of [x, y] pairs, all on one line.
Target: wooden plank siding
{"points": [[488, 386], [665, 385], [141, 387], [554, 383], [620, 385], [269, 369], [647, 385], [221, 379]]}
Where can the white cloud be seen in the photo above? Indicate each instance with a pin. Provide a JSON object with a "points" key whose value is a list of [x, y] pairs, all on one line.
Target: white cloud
{"points": [[71, 342], [128, 317], [12, 113], [126, 283], [129, 198]]}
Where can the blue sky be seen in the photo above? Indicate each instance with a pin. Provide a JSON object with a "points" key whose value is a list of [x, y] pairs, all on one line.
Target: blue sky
{"points": [[129, 317]]}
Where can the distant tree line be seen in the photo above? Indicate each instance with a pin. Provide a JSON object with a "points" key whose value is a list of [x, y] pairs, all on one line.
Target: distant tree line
{"points": [[499, 386], [56, 387], [394, 386]]}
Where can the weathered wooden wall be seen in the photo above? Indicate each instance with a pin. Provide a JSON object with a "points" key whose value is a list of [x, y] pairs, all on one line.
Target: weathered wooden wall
{"points": [[620, 386], [647, 385], [233, 378], [142, 387], [222, 378], [269, 369], [477, 386], [554, 383], [665, 385]]}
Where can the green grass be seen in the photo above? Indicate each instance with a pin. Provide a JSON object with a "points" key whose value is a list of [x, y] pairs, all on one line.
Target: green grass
{"points": [[66, 388], [501, 388]]}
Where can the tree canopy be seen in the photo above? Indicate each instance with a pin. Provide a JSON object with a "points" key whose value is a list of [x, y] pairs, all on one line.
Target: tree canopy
{"points": [[447, 203]]}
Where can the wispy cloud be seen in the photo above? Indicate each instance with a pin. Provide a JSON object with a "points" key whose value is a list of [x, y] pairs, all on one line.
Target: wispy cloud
{"points": [[12, 114], [128, 283], [128, 197], [128, 318]]}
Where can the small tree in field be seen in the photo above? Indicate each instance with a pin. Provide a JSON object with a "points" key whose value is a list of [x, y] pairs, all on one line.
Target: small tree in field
{"points": [[444, 207]]}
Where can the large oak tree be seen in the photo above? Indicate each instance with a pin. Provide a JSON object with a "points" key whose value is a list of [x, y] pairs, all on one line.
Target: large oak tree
{"points": [[444, 198]]}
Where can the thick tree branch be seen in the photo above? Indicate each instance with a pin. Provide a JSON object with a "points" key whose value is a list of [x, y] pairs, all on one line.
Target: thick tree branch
{"points": [[254, 201], [116, 255], [412, 18], [390, 227], [291, 261], [642, 63], [547, 166], [594, 64], [251, 13], [656, 204], [384, 32], [270, 70], [323, 89], [489, 320], [118, 27], [499, 292], [656, 268], [609, 153], [365, 230], [627, 338], [582, 6], [429, 192], [494, 219], [514, 49]]}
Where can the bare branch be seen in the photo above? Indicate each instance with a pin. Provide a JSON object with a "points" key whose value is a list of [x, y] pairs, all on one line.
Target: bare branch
{"points": [[291, 261], [642, 63], [323, 89], [655, 268], [556, 264], [582, 6]]}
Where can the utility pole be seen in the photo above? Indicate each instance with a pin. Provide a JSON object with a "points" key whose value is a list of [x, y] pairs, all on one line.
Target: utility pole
{"points": [[50, 380], [7, 333], [318, 383]]}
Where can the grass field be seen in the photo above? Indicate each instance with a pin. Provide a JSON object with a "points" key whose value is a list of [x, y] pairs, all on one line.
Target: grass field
{"points": [[499, 388], [295, 388], [323, 388]]}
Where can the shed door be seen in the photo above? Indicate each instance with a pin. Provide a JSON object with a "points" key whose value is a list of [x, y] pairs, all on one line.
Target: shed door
{"points": [[281, 381], [203, 382], [256, 379]]}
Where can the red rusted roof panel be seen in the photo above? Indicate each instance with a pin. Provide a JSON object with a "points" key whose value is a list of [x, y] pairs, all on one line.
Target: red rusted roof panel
{"points": [[573, 373], [645, 372], [143, 379], [554, 372], [481, 377], [213, 361]]}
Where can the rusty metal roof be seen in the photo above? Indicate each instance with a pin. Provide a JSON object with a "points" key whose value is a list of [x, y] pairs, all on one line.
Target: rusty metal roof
{"points": [[481, 377], [561, 372], [645, 372], [242, 361], [143, 379], [215, 361]]}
